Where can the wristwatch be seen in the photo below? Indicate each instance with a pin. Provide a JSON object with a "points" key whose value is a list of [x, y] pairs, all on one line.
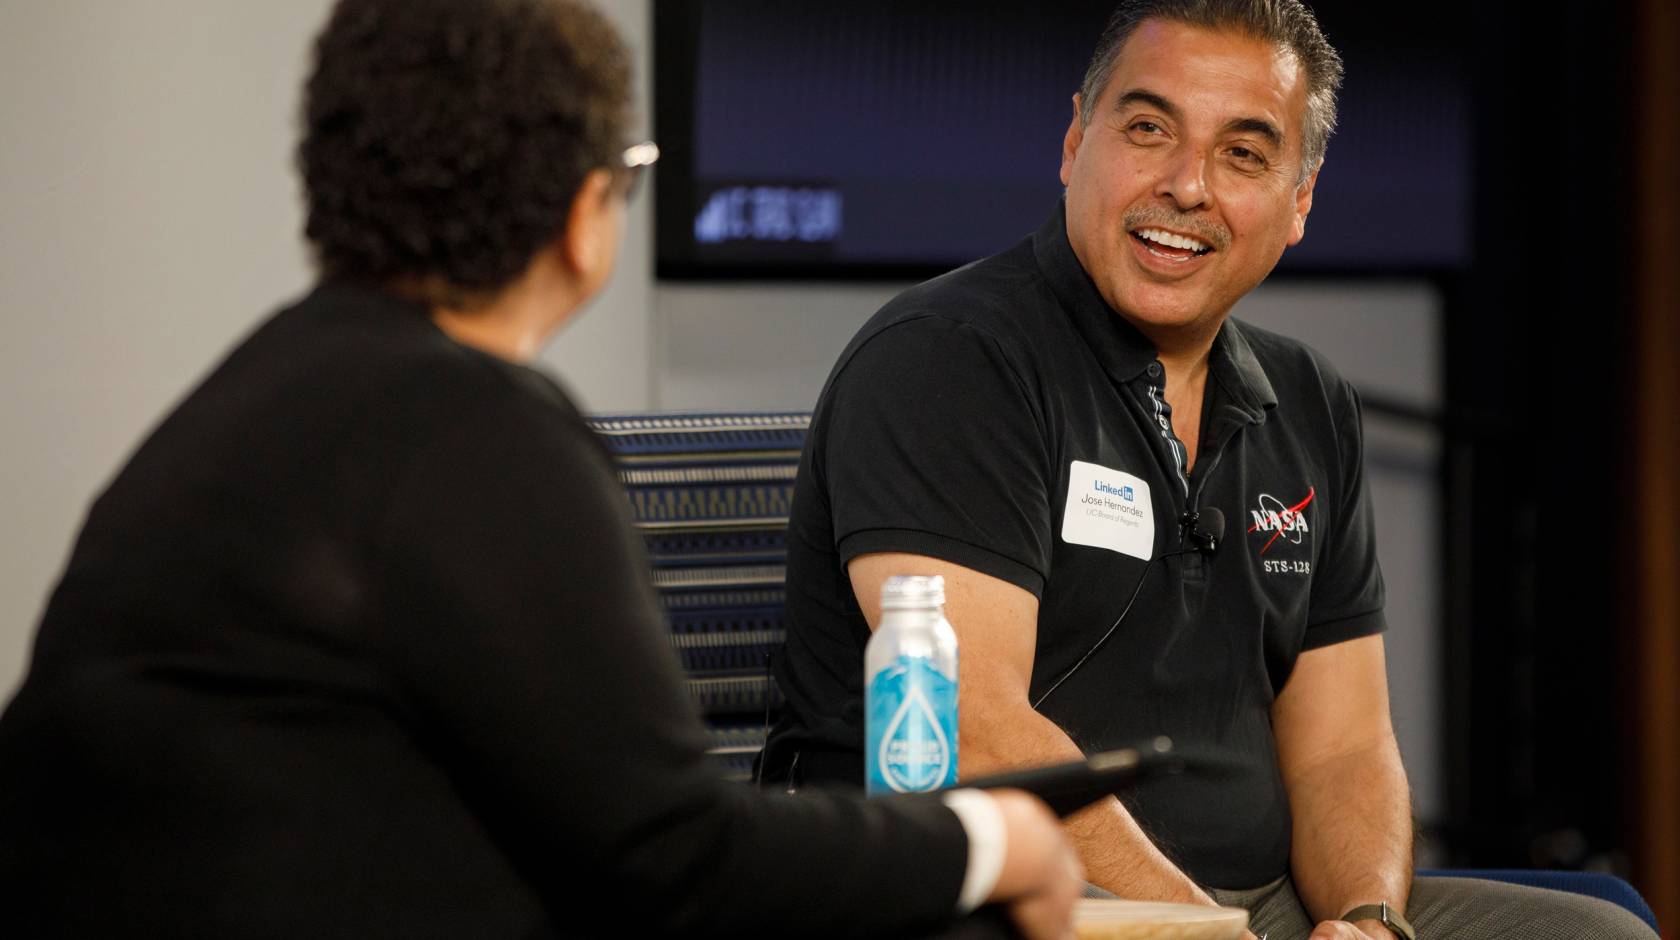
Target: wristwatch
{"points": [[1385, 915]]}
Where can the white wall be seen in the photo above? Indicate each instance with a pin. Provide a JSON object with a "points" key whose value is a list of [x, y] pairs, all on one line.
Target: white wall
{"points": [[149, 216]]}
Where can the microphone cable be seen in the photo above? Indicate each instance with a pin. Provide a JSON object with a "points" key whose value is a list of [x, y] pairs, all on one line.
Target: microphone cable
{"points": [[1206, 542]]}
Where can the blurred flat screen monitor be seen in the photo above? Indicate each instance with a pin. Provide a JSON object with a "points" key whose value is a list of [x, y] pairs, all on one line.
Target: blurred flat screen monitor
{"points": [[876, 139]]}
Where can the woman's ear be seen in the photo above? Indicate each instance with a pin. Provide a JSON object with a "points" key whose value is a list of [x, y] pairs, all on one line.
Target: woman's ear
{"points": [[589, 244]]}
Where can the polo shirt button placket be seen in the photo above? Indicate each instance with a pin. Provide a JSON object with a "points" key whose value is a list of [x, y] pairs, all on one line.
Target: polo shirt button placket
{"points": [[1157, 396]]}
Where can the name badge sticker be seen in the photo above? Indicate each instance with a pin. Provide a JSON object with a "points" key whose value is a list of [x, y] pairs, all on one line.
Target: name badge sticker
{"points": [[1108, 509]]}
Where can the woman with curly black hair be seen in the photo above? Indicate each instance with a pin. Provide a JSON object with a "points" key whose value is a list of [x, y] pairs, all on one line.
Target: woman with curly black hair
{"points": [[360, 642]]}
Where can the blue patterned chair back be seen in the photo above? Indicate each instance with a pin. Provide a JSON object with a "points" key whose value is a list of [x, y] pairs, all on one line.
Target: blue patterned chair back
{"points": [[709, 493]]}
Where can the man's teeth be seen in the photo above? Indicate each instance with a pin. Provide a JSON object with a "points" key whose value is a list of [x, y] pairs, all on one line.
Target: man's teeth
{"points": [[1170, 240]]}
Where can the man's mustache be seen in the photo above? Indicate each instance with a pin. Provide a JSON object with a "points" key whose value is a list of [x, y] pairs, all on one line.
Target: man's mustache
{"points": [[1216, 236]]}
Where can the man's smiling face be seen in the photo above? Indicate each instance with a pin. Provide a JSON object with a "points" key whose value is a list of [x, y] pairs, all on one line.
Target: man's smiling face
{"points": [[1182, 192]]}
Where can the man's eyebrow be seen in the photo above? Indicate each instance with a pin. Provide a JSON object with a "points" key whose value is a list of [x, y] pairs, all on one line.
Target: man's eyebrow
{"points": [[1247, 125], [1252, 125], [1142, 96]]}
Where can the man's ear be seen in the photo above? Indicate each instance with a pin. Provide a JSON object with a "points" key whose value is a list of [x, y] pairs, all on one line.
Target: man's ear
{"points": [[1070, 141], [587, 242], [1303, 205]]}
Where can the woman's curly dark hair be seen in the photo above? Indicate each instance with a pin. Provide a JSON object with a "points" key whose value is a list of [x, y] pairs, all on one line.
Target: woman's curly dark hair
{"points": [[443, 140]]}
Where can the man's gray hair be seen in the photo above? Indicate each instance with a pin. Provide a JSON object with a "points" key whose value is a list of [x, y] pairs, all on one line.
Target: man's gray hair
{"points": [[1286, 23]]}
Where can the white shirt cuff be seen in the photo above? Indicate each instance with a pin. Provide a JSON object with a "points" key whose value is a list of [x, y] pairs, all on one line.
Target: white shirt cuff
{"points": [[988, 844]]}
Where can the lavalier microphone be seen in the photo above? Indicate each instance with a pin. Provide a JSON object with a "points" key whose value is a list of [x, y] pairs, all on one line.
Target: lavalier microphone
{"points": [[1206, 528]]}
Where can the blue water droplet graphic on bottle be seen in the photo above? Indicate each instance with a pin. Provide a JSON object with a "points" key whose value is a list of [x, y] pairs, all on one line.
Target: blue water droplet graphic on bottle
{"points": [[915, 752]]}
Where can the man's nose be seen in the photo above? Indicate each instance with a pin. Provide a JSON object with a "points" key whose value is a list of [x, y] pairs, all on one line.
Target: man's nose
{"points": [[1184, 179]]}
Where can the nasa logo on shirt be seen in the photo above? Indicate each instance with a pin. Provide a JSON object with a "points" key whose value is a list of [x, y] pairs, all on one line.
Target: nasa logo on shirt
{"points": [[1277, 527]]}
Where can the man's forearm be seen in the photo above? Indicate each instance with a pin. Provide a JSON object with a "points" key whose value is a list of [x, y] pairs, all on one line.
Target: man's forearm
{"points": [[1352, 832], [1117, 855]]}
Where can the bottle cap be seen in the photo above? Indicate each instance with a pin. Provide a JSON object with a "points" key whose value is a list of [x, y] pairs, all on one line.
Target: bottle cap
{"points": [[912, 591]]}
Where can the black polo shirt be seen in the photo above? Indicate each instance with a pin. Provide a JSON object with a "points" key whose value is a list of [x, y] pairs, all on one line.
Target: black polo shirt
{"points": [[1004, 418]]}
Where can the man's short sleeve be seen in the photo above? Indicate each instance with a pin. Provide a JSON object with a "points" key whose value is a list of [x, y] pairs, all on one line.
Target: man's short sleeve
{"points": [[1347, 587], [933, 444]]}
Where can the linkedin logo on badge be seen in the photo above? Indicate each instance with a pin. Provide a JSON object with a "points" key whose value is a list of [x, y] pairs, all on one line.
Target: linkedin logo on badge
{"points": [[1124, 492]]}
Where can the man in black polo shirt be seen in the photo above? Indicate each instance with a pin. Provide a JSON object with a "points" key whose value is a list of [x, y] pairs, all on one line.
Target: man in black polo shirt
{"points": [[1058, 430]]}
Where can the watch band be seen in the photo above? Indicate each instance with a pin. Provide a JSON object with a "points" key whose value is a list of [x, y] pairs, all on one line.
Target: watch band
{"points": [[1385, 915]]}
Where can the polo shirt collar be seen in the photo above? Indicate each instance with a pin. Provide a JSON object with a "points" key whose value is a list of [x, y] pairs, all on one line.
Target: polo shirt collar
{"points": [[1234, 366], [1123, 351], [1121, 348]]}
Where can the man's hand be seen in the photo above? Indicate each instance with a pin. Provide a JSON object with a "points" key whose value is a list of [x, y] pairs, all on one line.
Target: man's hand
{"points": [[1042, 877], [1342, 930]]}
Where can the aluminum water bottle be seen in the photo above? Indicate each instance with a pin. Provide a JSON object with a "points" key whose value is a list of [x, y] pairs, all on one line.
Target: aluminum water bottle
{"points": [[910, 690]]}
